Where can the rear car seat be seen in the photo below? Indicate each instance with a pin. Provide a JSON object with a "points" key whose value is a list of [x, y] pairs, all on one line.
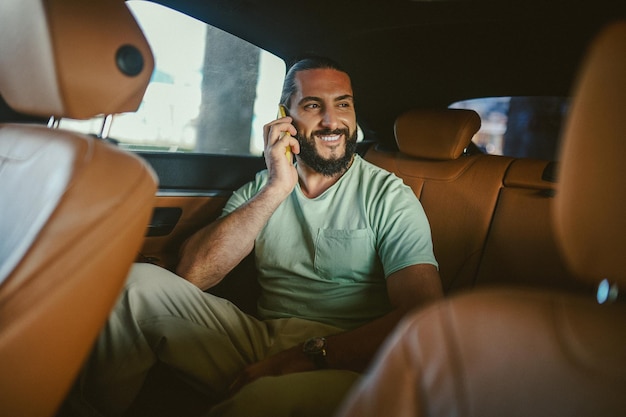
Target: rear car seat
{"points": [[458, 192], [521, 247]]}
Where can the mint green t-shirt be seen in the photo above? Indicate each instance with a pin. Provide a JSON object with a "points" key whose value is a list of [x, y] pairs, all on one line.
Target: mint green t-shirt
{"points": [[326, 259]]}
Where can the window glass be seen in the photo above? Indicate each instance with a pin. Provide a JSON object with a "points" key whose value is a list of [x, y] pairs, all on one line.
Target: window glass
{"points": [[211, 92], [522, 127]]}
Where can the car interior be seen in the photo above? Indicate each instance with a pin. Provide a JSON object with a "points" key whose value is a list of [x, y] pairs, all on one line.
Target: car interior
{"points": [[528, 245]]}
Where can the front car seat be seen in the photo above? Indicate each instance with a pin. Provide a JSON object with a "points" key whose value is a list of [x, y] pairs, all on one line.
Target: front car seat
{"points": [[73, 209], [529, 353]]}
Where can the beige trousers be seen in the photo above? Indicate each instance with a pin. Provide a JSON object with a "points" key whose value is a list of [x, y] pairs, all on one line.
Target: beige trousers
{"points": [[206, 340]]}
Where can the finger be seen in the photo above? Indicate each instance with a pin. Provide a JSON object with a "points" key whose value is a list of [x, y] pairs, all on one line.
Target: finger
{"points": [[295, 145], [270, 134], [284, 146], [277, 131], [283, 120]]}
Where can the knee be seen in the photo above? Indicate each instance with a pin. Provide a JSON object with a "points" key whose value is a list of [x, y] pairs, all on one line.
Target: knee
{"points": [[145, 272], [150, 285], [144, 277]]}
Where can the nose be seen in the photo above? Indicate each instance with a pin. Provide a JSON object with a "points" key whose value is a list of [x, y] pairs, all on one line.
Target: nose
{"points": [[330, 118]]}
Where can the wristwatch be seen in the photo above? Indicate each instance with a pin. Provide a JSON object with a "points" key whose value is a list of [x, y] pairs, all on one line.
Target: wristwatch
{"points": [[315, 349]]}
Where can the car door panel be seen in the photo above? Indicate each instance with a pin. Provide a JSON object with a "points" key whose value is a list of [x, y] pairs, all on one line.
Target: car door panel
{"points": [[193, 189]]}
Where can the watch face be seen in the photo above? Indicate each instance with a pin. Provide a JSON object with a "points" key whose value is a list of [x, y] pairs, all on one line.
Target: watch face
{"points": [[315, 345]]}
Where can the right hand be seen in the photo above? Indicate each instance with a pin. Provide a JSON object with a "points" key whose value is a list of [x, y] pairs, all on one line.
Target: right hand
{"points": [[282, 172]]}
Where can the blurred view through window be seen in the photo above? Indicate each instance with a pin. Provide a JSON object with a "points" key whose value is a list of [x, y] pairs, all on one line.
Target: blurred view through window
{"points": [[211, 92], [522, 127]]}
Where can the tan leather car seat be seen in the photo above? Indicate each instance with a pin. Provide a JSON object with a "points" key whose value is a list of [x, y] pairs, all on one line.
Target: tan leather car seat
{"points": [[531, 353], [459, 193], [73, 209]]}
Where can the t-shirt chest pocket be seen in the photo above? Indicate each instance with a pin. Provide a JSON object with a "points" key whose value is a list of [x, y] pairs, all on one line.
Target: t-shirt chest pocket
{"points": [[344, 254]]}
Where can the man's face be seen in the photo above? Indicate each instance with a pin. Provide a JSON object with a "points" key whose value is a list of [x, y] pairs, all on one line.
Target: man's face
{"points": [[323, 112]]}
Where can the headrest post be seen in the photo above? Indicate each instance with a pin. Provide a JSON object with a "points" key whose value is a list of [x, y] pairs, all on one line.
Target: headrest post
{"points": [[106, 126], [53, 122]]}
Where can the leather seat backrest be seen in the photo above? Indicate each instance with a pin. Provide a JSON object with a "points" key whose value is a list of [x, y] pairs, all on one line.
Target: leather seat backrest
{"points": [[73, 209], [590, 206], [458, 192], [521, 247]]}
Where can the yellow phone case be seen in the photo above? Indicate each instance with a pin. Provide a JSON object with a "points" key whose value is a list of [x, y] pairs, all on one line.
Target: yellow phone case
{"points": [[283, 113]]}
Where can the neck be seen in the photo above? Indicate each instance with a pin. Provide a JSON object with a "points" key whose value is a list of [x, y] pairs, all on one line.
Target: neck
{"points": [[312, 183]]}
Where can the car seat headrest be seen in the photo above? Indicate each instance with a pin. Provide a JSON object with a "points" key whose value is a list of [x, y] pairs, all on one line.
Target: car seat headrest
{"points": [[436, 134], [72, 58], [590, 204]]}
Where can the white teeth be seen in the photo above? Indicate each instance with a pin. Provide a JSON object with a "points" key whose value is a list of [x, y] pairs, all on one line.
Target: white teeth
{"points": [[330, 138]]}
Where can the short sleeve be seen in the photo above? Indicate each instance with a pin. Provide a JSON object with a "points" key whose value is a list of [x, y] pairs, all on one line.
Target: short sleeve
{"points": [[403, 235], [245, 193]]}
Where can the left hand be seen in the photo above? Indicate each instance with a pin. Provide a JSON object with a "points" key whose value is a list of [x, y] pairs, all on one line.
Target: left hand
{"points": [[286, 362]]}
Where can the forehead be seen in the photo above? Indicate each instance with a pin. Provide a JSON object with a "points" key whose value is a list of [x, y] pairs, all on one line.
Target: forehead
{"points": [[322, 83]]}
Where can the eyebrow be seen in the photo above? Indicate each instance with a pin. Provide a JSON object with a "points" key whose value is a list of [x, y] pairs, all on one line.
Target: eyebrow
{"points": [[339, 98]]}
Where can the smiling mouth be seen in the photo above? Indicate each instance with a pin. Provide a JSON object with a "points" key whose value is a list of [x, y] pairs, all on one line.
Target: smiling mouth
{"points": [[329, 138]]}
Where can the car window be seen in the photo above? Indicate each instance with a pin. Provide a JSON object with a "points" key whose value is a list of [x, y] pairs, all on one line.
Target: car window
{"points": [[210, 92], [521, 127]]}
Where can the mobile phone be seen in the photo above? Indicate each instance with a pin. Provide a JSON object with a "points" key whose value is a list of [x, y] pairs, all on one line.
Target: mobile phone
{"points": [[282, 112]]}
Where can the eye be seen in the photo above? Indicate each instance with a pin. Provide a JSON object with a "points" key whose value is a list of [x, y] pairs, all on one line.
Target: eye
{"points": [[312, 106], [344, 105]]}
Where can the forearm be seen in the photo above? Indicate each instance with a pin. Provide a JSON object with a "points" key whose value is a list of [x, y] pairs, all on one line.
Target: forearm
{"points": [[207, 256], [353, 350], [211, 253], [214, 251]]}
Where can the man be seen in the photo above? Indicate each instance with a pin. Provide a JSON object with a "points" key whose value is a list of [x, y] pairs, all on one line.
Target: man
{"points": [[343, 250]]}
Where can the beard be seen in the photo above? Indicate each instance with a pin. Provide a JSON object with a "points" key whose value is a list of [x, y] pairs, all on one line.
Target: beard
{"points": [[327, 166]]}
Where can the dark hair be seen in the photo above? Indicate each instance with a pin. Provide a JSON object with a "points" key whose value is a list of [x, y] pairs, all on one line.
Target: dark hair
{"points": [[308, 63]]}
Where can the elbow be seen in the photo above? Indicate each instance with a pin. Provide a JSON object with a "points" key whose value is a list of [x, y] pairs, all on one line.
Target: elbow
{"points": [[189, 268], [197, 273], [198, 282], [191, 271], [183, 270]]}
